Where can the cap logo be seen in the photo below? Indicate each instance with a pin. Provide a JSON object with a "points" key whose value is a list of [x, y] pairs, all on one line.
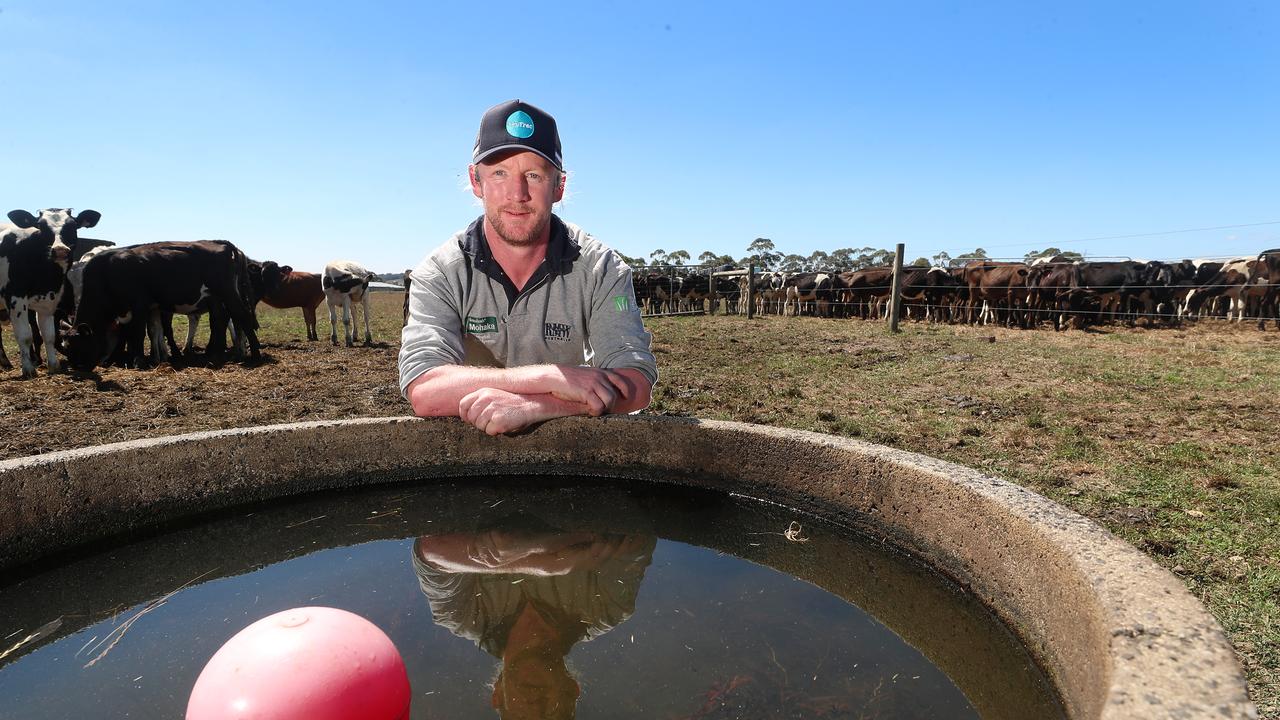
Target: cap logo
{"points": [[519, 124]]}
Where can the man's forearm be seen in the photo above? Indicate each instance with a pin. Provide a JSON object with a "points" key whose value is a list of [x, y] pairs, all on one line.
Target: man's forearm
{"points": [[437, 392]]}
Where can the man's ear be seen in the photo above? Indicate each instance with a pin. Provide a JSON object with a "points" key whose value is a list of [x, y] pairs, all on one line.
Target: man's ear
{"points": [[473, 176]]}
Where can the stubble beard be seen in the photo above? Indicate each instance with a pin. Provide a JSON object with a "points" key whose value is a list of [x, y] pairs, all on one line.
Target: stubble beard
{"points": [[515, 236]]}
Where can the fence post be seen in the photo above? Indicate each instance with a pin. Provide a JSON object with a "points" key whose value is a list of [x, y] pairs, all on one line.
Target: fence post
{"points": [[711, 292], [895, 297], [751, 290]]}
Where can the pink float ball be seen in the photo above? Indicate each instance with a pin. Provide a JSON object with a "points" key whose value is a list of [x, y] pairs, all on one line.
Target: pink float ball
{"points": [[316, 663]]}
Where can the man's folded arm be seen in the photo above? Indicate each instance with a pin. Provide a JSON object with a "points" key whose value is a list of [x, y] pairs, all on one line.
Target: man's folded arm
{"points": [[560, 390]]}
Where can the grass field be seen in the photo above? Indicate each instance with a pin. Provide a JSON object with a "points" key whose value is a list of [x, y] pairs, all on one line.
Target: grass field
{"points": [[1167, 437]]}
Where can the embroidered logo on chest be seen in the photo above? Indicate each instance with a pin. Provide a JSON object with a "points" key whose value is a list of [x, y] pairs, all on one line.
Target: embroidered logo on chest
{"points": [[561, 332], [479, 325]]}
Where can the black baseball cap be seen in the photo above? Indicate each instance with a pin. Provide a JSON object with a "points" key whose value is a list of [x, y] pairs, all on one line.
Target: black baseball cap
{"points": [[517, 125]]}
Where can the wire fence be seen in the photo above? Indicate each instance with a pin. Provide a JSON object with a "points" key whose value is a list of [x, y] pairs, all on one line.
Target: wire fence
{"points": [[694, 290], [958, 312]]}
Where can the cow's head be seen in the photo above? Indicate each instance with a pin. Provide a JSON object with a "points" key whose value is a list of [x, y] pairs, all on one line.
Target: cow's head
{"points": [[58, 228], [265, 277], [1158, 273], [84, 348]]}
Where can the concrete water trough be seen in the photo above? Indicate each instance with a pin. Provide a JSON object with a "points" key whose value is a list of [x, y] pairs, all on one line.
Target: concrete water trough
{"points": [[1117, 635]]}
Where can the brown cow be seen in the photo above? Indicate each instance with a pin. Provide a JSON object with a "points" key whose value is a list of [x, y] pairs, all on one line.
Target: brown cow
{"points": [[1049, 292], [997, 284], [862, 291], [299, 289]]}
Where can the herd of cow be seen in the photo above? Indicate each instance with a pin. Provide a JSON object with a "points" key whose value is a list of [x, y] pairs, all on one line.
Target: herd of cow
{"points": [[94, 303], [1013, 293]]}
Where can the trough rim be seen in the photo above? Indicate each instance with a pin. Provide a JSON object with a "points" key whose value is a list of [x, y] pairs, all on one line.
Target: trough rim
{"points": [[1133, 642]]}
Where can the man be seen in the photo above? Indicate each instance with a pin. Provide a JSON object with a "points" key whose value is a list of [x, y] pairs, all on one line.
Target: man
{"points": [[545, 306], [527, 595]]}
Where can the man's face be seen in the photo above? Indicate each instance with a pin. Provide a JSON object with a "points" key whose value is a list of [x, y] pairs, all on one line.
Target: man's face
{"points": [[518, 190]]}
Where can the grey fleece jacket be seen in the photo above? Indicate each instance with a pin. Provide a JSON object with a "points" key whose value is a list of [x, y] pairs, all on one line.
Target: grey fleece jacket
{"points": [[579, 308]]}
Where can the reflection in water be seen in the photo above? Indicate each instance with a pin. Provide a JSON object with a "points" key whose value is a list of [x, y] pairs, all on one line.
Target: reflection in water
{"points": [[526, 596], [737, 620]]}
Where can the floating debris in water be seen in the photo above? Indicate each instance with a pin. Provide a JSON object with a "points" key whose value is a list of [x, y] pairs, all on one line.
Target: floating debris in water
{"points": [[795, 533]]}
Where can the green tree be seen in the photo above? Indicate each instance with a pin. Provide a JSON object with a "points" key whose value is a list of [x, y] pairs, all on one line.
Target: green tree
{"points": [[920, 262], [942, 259], [791, 263], [658, 257], [842, 260], [1067, 256], [708, 258], [762, 254], [870, 257], [961, 260], [817, 260], [677, 258]]}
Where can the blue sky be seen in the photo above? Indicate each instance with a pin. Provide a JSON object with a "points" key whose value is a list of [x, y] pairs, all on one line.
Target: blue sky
{"points": [[307, 132]]}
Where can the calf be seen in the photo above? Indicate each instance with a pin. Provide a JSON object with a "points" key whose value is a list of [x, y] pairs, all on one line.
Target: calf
{"points": [[346, 283], [35, 253], [124, 286], [301, 290], [264, 277]]}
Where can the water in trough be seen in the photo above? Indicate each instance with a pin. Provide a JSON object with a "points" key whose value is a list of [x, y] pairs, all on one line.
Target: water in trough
{"points": [[650, 602]]}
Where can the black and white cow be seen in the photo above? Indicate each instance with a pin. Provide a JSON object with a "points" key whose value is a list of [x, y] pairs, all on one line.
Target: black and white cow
{"points": [[35, 253], [264, 278], [812, 290], [346, 283], [125, 286]]}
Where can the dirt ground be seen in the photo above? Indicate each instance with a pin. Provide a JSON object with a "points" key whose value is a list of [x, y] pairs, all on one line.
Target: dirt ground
{"points": [[297, 381]]}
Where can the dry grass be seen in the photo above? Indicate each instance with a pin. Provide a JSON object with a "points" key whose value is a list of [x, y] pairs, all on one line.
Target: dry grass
{"points": [[1166, 437]]}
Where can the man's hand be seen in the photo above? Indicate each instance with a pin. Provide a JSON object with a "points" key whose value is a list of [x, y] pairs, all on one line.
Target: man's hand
{"points": [[498, 411], [596, 388]]}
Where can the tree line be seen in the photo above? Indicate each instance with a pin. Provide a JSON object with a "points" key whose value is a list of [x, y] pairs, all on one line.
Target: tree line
{"points": [[764, 255]]}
